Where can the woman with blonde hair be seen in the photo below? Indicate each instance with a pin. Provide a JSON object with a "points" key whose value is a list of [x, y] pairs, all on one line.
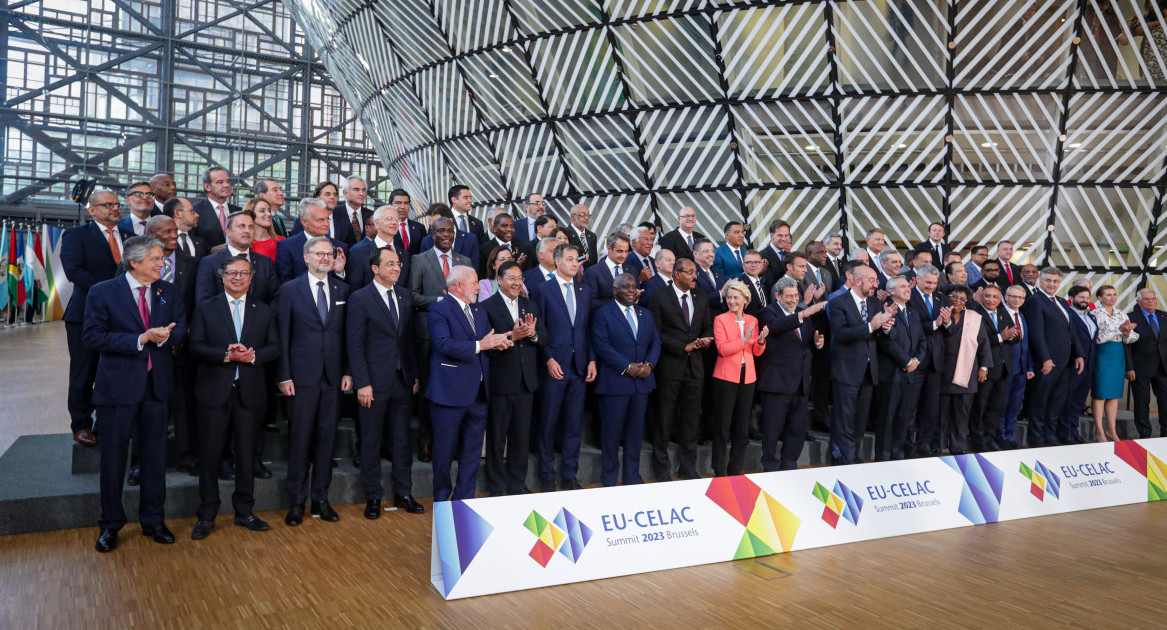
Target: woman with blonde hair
{"points": [[738, 340], [1114, 330]]}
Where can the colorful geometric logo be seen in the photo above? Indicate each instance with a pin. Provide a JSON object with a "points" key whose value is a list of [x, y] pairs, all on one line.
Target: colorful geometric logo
{"points": [[1042, 480], [566, 534], [1148, 466], [461, 533], [842, 502], [980, 498], [770, 527]]}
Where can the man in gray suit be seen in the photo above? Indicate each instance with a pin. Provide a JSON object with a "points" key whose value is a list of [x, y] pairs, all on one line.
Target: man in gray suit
{"points": [[427, 282]]}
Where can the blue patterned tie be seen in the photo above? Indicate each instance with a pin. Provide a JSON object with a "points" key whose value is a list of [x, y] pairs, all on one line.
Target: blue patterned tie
{"points": [[237, 319], [321, 302]]}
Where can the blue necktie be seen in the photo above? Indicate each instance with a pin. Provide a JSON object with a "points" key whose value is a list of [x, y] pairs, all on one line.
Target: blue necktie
{"points": [[392, 309], [321, 302], [631, 319], [237, 318], [1153, 319], [993, 316], [863, 310], [928, 301], [738, 254], [550, 275]]}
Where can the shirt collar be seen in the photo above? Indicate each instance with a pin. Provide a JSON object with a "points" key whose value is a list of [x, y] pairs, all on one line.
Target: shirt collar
{"points": [[236, 252], [380, 243], [679, 292], [381, 286], [134, 284]]}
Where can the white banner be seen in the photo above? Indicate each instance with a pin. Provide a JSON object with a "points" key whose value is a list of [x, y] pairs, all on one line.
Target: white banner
{"points": [[485, 546]]}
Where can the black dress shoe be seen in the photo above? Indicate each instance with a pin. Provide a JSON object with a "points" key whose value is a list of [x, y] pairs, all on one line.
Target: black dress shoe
{"points": [[160, 532], [259, 471], [226, 471], [571, 484], [409, 504], [547, 485], [135, 477], [425, 453], [253, 522], [201, 530], [324, 511], [372, 509], [295, 516], [187, 467], [522, 490], [107, 540]]}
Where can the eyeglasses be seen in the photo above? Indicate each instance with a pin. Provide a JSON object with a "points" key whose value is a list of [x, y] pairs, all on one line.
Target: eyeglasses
{"points": [[391, 264], [685, 272], [141, 195], [323, 255], [236, 274], [580, 215], [537, 203], [753, 262], [108, 206], [957, 298]]}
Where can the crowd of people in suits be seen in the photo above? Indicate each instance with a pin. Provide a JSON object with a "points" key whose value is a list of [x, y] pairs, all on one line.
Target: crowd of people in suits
{"points": [[499, 333]]}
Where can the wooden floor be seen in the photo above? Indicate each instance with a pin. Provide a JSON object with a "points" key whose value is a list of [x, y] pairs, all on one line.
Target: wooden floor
{"points": [[1095, 569]]}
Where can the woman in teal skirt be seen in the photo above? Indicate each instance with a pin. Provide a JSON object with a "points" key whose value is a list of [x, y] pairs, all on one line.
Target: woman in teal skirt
{"points": [[1114, 329]]}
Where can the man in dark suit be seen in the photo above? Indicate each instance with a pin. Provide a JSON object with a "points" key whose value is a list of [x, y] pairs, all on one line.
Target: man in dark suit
{"points": [[664, 261], [901, 350], [355, 213], [214, 208], [382, 350], [140, 202], [459, 371], [627, 348], [682, 240], [935, 244], [357, 271], [990, 274], [164, 189], [312, 372], [264, 283], [514, 378], [1078, 388], [709, 280], [856, 318], [465, 243], [639, 262], [1147, 362], [427, 282], [754, 278], [232, 336], [598, 278], [133, 321], [579, 235], [776, 253], [985, 417], [461, 203], [1055, 352], [502, 232], [186, 220], [1021, 369], [686, 328], [410, 233], [339, 226], [290, 251], [545, 227], [535, 207], [1010, 273], [1029, 279], [784, 374], [89, 254], [569, 363], [544, 253], [933, 310]]}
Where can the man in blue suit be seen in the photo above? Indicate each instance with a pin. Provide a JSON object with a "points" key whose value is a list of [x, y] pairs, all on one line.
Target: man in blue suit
{"points": [[459, 369], [1022, 371], [569, 363], [535, 207], [134, 320], [1078, 388], [90, 254], [382, 350], [140, 202], [627, 347], [264, 283], [663, 279], [465, 243], [312, 371], [290, 251], [598, 278], [1055, 352], [544, 270], [901, 349], [729, 257]]}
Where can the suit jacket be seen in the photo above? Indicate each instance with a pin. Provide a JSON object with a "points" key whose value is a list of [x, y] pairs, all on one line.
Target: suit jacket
{"points": [[212, 329], [754, 308], [998, 349], [1020, 361], [937, 257], [675, 242], [456, 371], [200, 248], [1003, 279], [311, 352], [675, 333], [417, 234], [935, 356], [784, 368], [652, 285], [475, 226], [732, 351], [853, 346], [342, 225], [569, 344], [522, 229], [465, 244], [533, 277], [208, 228], [726, 263], [487, 245], [112, 328], [593, 246], [634, 265], [616, 348], [87, 260], [290, 256], [378, 347], [832, 275], [358, 273], [1051, 336], [126, 227], [516, 369], [1148, 355], [185, 271], [598, 279], [1085, 341], [264, 284], [428, 284], [898, 346], [776, 266], [949, 340], [712, 289]]}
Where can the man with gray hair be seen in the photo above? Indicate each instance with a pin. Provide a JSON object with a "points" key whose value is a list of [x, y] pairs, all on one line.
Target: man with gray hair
{"points": [[900, 352], [1055, 352], [639, 261], [214, 207], [931, 309], [890, 263], [314, 218], [545, 269], [358, 270], [354, 191], [1147, 363], [579, 235]]}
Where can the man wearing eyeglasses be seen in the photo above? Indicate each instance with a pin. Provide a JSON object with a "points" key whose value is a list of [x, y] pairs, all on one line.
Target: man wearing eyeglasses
{"points": [[140, 201], [583, 238], [535, 207]]}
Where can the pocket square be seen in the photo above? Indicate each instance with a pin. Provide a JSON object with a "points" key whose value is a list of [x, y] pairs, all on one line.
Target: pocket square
{"points": [[448, 365]]}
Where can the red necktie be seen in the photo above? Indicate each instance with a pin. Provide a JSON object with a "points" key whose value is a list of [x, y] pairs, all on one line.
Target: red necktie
{"points": [[404, 232], [445, 265], [1009, 272]]}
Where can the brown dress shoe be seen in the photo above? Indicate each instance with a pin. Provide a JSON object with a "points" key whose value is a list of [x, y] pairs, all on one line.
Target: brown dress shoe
{"points": [[85, 437]]}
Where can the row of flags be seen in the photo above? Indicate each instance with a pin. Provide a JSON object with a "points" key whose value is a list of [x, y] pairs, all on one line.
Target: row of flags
{"points": [[31, 273]]}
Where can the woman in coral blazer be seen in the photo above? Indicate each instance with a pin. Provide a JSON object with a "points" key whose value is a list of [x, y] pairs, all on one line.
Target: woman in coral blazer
{"points": [[738, 341]]}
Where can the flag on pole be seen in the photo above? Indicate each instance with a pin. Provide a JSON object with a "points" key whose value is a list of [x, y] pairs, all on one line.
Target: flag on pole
{"points": [[15, 264], [4, 267], [60, 290], [36, 284]]}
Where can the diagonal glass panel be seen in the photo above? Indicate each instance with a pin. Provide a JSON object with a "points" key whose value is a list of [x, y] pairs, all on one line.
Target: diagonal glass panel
{"points": [[1013, 45], [895, 45], [775, 51], [714, 210], [1101, 227], [985, 215], [415, 33], [669, 61], [1118, 45], [473, 163], [469, 26], [544, 16], [687, 147], [1115, 137], [1005, 137], [791, 142], [893, 139], [577, 73], [502, 86], [533, 163], [602, 153], [445, 97], [812, 213], [903, 214]]}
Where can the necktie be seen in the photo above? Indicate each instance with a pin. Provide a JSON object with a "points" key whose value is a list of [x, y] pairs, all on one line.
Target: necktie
{"points": [[689, 241], [550, 275], [737, 253], [470, 317], [114, 248], [617, 272], [993, 316], [863, 310], [144, 312], [237, 319], [167, 270], [583, 242], [462, 223], [222, 217], [445, 265], [685, 309], [631, 319], [648, 264], [1009, 272], [139, 227], [321, 302], [392, 309], [569, 298], [357, 226], [1153, 320], [761, 294], [404, 232], [928, 301], [243, 256], [818, 275], [184, 241], [781, 255]]}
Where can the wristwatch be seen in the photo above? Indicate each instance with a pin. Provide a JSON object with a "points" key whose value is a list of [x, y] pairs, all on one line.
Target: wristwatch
{"points": [[227, 357]]}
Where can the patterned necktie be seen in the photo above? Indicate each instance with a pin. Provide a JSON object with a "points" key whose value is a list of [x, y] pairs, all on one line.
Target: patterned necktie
{"points": [[617, 272], [462, 223], [863, 310], [321, 302], [222, 217], [167, 270], [631, 319], [470, 317], [685, 309], [761, 294], [357, 226], [144, 312], [737, 253], [114, 248]]}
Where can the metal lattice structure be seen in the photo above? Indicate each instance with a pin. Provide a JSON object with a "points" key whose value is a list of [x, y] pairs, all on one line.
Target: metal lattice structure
{"points": [[118, 90], [1042, 122]]}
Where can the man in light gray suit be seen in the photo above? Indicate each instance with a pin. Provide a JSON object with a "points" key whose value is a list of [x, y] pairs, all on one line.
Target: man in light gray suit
{"points": [[427, 282]]}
